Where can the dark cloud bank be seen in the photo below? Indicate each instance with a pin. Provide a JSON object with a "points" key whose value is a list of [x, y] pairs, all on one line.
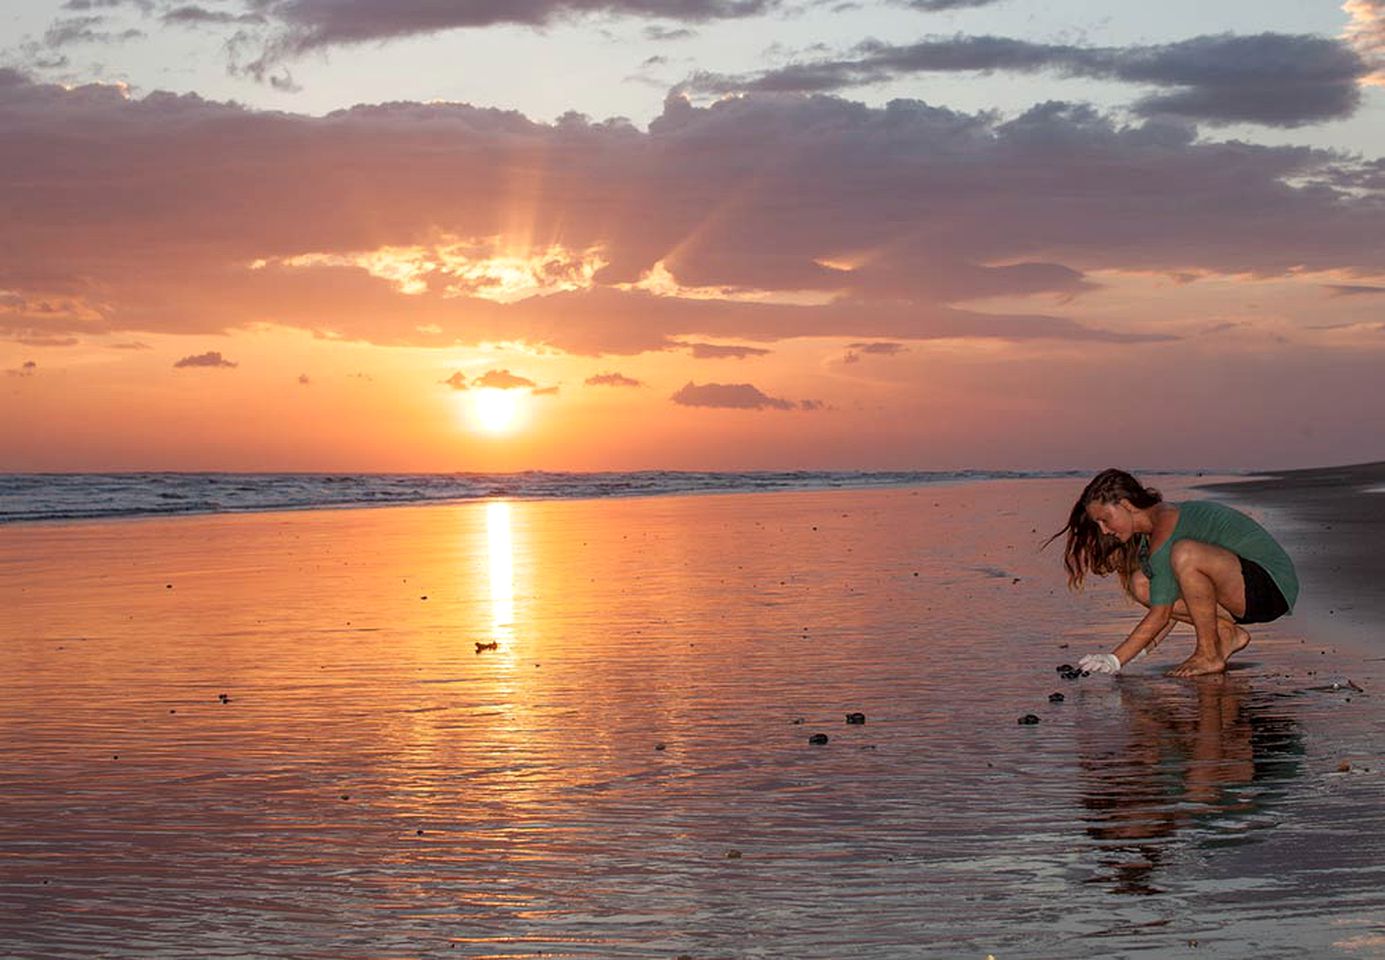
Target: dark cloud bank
{"points": [[1273, 79], [147, 214]]}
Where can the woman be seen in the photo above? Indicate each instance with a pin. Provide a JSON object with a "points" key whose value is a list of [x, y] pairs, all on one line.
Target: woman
{"points": [[1198, 562]]}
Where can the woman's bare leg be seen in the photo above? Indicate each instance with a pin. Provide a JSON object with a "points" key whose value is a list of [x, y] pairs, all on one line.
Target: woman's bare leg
{"points": [[1209, 577], [1231, 636]]}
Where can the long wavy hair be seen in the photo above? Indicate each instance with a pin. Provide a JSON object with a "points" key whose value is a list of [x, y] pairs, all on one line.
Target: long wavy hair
{"points": [[1087, 549]]}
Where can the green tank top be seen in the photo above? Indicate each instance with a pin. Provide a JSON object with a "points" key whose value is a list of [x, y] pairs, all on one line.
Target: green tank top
{"points": [[1218, 524]]}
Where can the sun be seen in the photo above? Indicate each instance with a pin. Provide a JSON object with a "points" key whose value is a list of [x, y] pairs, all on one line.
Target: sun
{"points": [[496, 411]]}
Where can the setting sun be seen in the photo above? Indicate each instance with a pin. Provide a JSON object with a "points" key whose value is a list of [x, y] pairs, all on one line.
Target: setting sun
{"points": [[496, 411]]}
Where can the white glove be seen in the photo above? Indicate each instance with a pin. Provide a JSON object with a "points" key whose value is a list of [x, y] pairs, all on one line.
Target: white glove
{"points": [[1100, 663]]}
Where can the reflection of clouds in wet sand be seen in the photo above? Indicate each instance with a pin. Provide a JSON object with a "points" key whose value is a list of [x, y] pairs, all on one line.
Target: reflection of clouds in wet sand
{"points": [[1195, 756]]}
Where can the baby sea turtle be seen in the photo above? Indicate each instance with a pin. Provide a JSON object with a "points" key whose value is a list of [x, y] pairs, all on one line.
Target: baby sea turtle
{"points": [[1028, 720], [1056, 698], [818, 738], [855, 718]]}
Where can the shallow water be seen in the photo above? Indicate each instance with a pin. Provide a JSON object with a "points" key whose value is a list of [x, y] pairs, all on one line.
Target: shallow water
{"points": [[376, 787]]}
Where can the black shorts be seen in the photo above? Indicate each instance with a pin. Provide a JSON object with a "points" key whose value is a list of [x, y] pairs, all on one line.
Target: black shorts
{"points": [[1264, 602]]}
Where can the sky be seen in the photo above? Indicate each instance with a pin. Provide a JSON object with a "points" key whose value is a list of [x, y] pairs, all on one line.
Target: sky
{"points": [[492, 235]]}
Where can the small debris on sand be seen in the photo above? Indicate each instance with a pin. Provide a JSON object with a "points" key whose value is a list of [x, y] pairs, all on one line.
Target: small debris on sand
{"points": [[224, 697], [486, 646], [660, 746], [1028, 720], [733, 854], [818, 738], [1344, 767], [855, 718]]}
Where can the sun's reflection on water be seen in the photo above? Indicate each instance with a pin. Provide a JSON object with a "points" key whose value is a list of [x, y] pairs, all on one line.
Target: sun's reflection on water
{"points": [[500, 553]]}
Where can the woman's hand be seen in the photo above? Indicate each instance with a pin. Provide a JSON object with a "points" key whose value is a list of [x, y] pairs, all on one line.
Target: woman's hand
{"points": [[1100, 663]]}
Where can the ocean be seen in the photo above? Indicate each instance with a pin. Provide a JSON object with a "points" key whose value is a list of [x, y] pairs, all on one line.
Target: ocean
{"points": [[94, 496]]}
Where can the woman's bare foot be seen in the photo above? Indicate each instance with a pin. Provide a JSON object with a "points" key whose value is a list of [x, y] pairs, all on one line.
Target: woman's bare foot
{"points": [[1239, 640], [1198, 665], [1231, 639]]}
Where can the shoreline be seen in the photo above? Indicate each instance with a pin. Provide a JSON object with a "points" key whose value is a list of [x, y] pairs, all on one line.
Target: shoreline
{"points": [[919, 479]]}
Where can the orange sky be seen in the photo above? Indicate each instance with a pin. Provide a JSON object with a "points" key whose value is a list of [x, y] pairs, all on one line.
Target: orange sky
{"points": [[752, 280]]}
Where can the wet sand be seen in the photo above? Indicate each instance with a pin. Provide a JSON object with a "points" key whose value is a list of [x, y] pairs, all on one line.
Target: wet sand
{"points": [[628, 772], [1332, 520]]}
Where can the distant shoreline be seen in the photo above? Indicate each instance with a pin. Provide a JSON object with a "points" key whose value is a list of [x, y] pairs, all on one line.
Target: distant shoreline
{"points": [[100, 497]]}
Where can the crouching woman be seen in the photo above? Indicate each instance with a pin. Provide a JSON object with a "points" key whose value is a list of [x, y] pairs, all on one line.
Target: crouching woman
{"points": [[1196, 562]]}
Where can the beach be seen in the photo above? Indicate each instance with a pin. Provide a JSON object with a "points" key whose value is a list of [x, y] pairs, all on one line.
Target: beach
{"points": [[1332, 519], [581, 728]]}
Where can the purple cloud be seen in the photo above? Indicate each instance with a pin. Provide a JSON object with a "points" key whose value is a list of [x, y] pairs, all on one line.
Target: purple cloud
{"points": [[612, 380], [718, 351], [74, 30], [502, 380], [918, 213], [873, 348], [1352, 290], [730, 396], [1280, 80], [303, 25], [212, 358]]}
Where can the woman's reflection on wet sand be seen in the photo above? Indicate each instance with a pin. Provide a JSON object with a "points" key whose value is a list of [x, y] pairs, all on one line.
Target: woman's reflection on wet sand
{"points": [[1199, 762]]}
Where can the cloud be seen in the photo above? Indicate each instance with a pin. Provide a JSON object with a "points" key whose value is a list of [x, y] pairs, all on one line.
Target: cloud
{"points": [[144, 5], [131, 345], [731, 396], [934, 6], [502, 380], [212, 358], [873, 348], [719, 351], [299, 26], [387, 224], [658, 33], [45, 340], [25, 369], [1352, 289], [457, 381], [1281, 80], [612, 380], [545, 391], [195, 16], [1366, 33], [75, 30]]}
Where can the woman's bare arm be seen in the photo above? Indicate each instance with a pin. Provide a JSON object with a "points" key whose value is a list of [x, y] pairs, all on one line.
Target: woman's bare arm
{"points": [[1148, 632]]}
